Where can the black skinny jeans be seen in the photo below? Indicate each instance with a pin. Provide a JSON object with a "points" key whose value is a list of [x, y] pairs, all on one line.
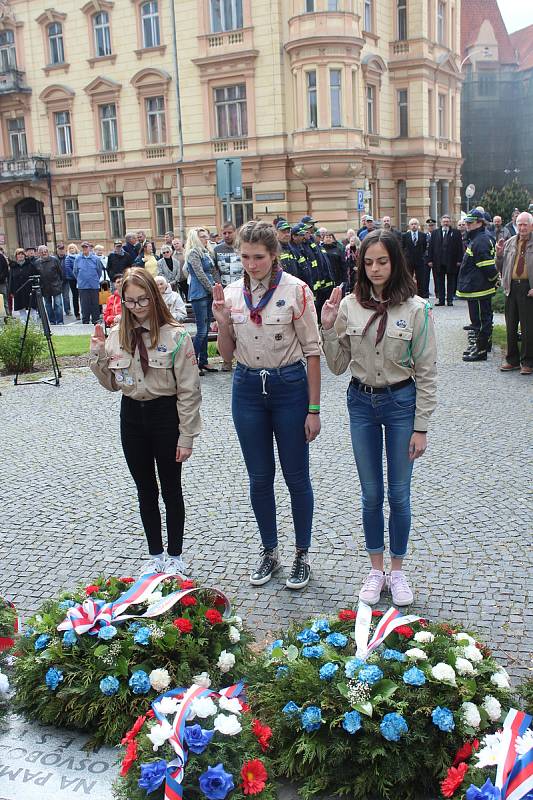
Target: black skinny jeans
{"points": [[149, 435]]}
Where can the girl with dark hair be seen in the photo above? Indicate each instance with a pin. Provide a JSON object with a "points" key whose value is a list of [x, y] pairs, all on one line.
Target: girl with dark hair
{"points": [[385, 334], [268, 319], [150, 358]]}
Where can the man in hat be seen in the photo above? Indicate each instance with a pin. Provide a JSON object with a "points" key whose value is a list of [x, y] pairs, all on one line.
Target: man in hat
{"points": [[88, 270], [297, 238], [477, 283], [321, 272], [369, 226], [288, 257]]}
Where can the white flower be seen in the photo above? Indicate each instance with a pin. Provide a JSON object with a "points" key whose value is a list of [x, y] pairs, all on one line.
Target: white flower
{"points": [[238, 622], [234, 635], [230, 704], [202, 707], [492, 707], [464, 637], [202, 679], [226, 661], [471, 714], [464, 667], [155, 597], [168, 705], [416, 654], [500, 680], [159, 679], [489, 754], [472, 653], [444, 673], [524, 743], [424, 636], [4, 683], [228, 724], [160, 733]]}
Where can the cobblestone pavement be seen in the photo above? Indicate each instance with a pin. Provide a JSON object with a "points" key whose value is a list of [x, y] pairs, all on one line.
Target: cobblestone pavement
{"points": [[69, 509]]}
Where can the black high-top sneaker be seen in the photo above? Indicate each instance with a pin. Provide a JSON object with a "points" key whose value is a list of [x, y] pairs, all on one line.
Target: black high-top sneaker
{"points": [[300, 572], [269, 563], [477, 354]]}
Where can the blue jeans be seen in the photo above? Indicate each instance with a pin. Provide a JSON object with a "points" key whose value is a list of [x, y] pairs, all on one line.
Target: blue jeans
{"points": [[66, 297], [369, 415], [54, 309], [202, 314], [267, 404]]}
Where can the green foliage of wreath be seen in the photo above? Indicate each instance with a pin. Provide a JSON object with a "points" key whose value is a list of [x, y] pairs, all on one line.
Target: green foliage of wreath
{"points": [[8, 618]]}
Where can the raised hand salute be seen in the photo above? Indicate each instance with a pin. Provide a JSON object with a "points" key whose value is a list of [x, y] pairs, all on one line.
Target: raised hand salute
{"points": [[330, 308], [221, 312]]}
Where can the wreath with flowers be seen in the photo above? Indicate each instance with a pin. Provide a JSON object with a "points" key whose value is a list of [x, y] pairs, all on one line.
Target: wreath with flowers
{"points": [[8, 631], [83, 663], [368, 704], [199, 743]]}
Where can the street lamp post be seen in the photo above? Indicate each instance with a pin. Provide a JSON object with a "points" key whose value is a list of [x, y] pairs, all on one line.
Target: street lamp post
{"points": [[485, 50]]}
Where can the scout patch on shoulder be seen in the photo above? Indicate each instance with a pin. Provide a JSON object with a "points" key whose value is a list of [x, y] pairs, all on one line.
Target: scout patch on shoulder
{"points": [[401, 323], [280, 303], [162, 348]]}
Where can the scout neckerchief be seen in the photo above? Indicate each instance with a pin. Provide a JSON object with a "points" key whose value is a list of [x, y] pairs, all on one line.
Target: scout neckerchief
{"points": [[381, 309], [255, 311], [141, 347]]}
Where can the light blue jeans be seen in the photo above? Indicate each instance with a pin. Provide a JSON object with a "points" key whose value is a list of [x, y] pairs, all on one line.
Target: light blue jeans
{"points": [[54, 309]]}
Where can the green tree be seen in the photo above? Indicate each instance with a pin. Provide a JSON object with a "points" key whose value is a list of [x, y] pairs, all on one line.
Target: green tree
{"points": [[502, 201]]}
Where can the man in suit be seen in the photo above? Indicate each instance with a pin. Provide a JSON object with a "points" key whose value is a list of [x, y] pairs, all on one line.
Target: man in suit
{"points": [[414, 243], [445, 254]]}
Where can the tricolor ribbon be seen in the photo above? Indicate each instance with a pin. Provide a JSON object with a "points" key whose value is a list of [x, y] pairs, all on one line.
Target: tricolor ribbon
{"points": [[7, 642], [514, 774], [93, 614], [391, 620]]}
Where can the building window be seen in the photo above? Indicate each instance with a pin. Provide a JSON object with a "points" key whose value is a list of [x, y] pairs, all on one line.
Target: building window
{"points": [[163, 213], [150, 24], [108, 127], [402, 204], [335, 97], [117, 218], [102, 34], [367, 19], [442, 117], [17, 137], [486, 83], [402, 19], [72, 217], [441, 22], [230, 109], [8, 53], [155, 121], [226, 15], [370, 109], [431, 113], [241, 209], [312, 107], [55, 43], [309, 6], [63, 133], [333, 5], [403, 113]]}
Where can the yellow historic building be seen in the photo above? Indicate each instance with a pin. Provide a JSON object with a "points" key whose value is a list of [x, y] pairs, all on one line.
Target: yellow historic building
{"points": [[117, 113]]}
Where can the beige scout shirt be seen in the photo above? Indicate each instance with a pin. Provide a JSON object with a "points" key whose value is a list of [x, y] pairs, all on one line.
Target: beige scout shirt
{"points": [[408, 350], [289, 331], [121, 371]]}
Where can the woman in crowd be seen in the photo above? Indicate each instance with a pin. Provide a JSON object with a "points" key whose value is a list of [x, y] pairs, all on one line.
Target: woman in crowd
{"points": [[173, 300], [385, 334], [19, 283], [335, 252], [100, 253], [150, 358], [68, 267], [200, 266], [147, 259], [351, 260], [268, 320], [113, 308], [169, 266]]}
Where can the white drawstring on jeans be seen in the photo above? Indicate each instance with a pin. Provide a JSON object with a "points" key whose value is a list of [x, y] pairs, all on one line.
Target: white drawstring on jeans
{"points": [[264, 373]]}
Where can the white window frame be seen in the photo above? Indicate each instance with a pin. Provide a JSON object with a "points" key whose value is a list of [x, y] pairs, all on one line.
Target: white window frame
{"points": [[156, 124], [402, 101], [151, 31], [333, 5], [72, 218], [402, 205], [164, 217], [102, 34], [442, 121], [56, 46], [370, 101], [63, 130], [117, 216], [8, 51], [242, 208], [401, 20], [223, 105], [441, 22], [226, 15], [368, 16], [311, 93], [18, 143], [335, 98]]}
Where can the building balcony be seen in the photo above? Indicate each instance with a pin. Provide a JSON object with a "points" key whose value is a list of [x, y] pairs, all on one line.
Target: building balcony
{"points": [[13, 81], [323, 28], [26, 168], [214, 45]]}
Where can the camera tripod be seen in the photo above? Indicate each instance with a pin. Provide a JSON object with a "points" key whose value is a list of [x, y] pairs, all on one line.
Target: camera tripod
{"points": [[43, 316]]}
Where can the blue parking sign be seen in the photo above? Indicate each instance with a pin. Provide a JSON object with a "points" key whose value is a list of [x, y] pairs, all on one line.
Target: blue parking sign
{"points": [[360, 200]]}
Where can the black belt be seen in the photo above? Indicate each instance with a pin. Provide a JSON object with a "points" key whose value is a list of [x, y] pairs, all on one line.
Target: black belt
{"points": [[364, 387]]}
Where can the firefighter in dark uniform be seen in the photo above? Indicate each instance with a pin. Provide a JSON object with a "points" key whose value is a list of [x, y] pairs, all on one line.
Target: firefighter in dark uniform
{"points": [[477, 283], [288, 257], [321, 270], [296, 245]]}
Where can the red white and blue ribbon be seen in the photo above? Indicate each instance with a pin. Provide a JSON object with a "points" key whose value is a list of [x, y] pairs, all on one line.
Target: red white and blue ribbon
{"points": [[514, 774], [92, 614], [391, 620]]}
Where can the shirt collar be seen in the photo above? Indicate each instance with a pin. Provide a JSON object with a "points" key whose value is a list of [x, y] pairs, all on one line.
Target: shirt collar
{"points": [[256, 285]]}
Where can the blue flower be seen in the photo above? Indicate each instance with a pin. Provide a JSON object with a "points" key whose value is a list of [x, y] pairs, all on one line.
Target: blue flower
{"points": [[311, 719], [64, 605], [393, 655], [370, 674], [291, 709], [139, 682], [109, 685], [414, 677], [42, 641], [107, 632], [352, 666], [197, 738], [216, 783], [352, 721], [315, 651], [134, 626], [142, 636], [328, 671], [443, 719], [393, 726], [337, 640], [69, 638], [320, 626], [486, 792], [29, 632], [275, 644], [53, 678], [281, 672], [152, 775], [308, 636]]}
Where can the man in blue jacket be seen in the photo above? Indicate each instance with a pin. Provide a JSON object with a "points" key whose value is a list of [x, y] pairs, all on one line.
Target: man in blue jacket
{"points": [[88, 269]]}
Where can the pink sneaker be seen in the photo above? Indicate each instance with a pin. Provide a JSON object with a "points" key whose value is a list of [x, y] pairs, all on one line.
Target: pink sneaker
{"points": [[372, 587], [400, 589]]}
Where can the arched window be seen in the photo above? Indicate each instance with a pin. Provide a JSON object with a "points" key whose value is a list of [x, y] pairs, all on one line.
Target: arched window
{"points": [[55, 43], [102, 34], [150, 24], [8, 53]]}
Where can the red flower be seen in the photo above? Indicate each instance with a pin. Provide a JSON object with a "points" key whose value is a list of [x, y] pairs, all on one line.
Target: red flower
{"points": [[377, 613], [183, 625], [346, 614], [134, 730], [91, 589], [262, 733], [150, 714], [454, 778], [465, 752], [245, 708], [188, 600], [213, 616], [129, 759], [186, 584], [254, 776], [423, 623], [447, 629], [405, 630], [127, 580], [219, 601]]}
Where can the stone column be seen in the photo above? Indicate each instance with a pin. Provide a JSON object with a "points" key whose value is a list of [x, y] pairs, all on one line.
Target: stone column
{"points": [[433, 199], [445, 197]]}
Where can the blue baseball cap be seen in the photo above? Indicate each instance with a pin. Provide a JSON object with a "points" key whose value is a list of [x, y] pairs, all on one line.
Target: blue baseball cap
{"points": [[298, 230], [309, 221], [475, 216], [283, 225]]}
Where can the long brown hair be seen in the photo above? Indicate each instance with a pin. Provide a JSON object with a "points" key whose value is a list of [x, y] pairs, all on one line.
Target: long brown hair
{"points": [[254, 232], [159, 313], [401, 284]]}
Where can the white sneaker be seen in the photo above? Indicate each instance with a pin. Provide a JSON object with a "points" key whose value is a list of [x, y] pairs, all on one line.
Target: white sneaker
{"points": [[400, 589], [175, 565], [154, 564], [372, 587]]}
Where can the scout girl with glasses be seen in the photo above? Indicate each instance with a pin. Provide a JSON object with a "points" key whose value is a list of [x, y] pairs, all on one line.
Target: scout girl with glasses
{"points": [[150, 358]]}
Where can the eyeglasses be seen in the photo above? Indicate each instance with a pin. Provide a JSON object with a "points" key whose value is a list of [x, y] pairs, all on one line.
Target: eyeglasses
{"points": [[142, 302]]}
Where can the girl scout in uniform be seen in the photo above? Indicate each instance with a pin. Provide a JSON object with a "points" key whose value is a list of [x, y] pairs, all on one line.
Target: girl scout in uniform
{"points": [[268, 320], [150, 358], [385, 334]]}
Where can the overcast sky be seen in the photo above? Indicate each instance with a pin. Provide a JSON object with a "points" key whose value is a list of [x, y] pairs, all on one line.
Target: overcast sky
{"points": [[516, 13]]}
